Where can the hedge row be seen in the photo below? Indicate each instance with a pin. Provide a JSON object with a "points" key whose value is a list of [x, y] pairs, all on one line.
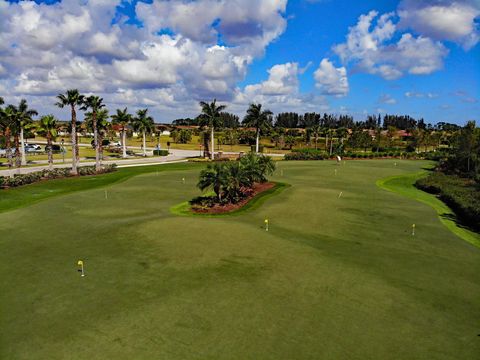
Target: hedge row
{"points": [[460, 194], [312, 154], [33, 177]]}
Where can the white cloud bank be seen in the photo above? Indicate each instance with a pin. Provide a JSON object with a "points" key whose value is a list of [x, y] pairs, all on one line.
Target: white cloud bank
{"points": [[371, 47]]}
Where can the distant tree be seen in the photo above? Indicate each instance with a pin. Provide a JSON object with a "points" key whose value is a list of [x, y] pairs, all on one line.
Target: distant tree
{"points": [[95, 104], [24, 119], [124, 119], [47, 127], [143, 123], [210, 118], [259, 119], [7, 122]]}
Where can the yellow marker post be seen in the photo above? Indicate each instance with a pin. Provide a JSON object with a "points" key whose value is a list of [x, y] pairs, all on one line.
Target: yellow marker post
{"points": [[413, 230], [183, 180], [266, 224], [80, 263]]}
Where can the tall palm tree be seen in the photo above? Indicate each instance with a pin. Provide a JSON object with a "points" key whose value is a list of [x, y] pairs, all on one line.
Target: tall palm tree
{"points": [[144, 124], [24, 117], [259, 119], [95, 104], [73, 99], [47, 126], [6, 123], [123, 118], [15, 124], [210, 117]]}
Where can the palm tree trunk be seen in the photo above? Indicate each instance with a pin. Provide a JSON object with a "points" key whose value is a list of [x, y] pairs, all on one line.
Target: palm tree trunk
{"points": [[144, 144], [124, 143], [18, 158], [95, 140], [212, 155], [331, 146], [74, 141], [9, 146], [22, 148], [326, 142], [257, 141], [50, 151], [100, 148]]}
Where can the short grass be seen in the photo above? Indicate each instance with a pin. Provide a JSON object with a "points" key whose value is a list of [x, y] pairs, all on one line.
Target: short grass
{"points": [[336, 277]]}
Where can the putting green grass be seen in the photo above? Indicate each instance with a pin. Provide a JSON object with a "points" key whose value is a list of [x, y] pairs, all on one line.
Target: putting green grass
{"points": [[335, 277], [404, 185]]}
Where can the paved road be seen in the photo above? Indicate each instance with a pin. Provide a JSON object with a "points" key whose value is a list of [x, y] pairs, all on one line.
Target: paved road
{"points": [[175, 156]]}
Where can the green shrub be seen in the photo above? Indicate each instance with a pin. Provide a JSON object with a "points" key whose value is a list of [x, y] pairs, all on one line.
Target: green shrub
{"points": [[306, 154], [33, 177], [460, 194], [160, 152]]}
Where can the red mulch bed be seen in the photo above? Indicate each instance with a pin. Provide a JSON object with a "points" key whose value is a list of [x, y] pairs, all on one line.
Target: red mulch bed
{"points": [[221, 209]]}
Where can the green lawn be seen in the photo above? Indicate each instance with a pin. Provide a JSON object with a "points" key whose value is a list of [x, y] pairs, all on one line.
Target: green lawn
{"points": [[334, 278]]}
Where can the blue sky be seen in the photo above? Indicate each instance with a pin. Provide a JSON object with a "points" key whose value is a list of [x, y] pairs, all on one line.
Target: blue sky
{"points": [[363, 57]]}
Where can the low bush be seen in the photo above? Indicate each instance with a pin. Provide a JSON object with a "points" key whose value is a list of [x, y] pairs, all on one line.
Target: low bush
{"points": [[160, 152], [460, 194], [33, 177]]}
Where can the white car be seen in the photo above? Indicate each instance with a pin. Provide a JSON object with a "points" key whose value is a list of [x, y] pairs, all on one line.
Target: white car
{"points": [[32, 148]]}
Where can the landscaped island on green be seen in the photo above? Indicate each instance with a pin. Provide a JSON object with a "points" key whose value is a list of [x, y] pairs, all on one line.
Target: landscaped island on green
{"points": [[338, 275]]}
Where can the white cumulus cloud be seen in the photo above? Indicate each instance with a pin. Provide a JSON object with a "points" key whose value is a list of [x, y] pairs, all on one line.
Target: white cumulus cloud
{"points": [[331, 80]]}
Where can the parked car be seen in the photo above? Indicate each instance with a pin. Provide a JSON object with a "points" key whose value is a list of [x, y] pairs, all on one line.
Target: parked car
{"points": [[55, 148], [32, 148]]}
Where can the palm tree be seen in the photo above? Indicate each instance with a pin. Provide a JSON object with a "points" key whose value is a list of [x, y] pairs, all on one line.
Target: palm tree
{"points": [[316, 130], [103, 126], [123, 118], [6, 123], [47, 126], [210, 117], [144, 124], [95, 104], [213, 177], [72, 98], [236, 178], [24, 117], [15, 123], [257, 167], [260, 120]]}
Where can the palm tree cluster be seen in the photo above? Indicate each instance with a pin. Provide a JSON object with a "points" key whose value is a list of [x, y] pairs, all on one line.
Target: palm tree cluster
{"points": [[233, 181], [212, 117], [14, 119]]}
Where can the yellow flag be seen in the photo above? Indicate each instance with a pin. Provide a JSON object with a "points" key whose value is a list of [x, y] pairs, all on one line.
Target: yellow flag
{"points": [[266, 221], [80, 263]]}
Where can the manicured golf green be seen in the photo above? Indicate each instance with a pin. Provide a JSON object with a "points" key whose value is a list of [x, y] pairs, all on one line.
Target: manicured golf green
{"points": [[335, 277]]}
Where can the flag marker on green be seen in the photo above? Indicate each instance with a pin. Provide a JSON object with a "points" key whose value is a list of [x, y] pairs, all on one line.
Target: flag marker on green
{"points": [[80, 264]]}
